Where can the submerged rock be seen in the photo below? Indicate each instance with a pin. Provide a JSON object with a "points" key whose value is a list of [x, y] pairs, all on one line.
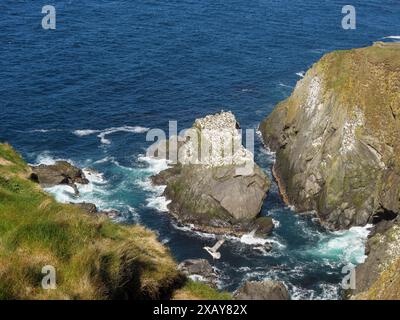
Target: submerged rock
{"points": [[219, 193], [262, 290], [62, 172], [337, 137]]}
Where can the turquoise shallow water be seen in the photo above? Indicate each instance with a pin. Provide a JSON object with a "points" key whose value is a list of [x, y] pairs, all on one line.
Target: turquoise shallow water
{"points": [[114, 68]]}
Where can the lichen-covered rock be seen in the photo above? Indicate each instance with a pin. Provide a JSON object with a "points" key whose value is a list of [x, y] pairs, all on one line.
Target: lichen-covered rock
{"points": [[337, 137], [219, 193], [262, 290]]}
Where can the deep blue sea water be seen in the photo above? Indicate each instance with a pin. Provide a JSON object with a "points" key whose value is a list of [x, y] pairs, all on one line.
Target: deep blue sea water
{"points": [[113, 68]]}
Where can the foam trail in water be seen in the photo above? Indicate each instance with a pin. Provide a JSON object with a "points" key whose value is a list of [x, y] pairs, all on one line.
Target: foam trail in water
{"points": [[392, 37], [84, 132], [251, 239], [155, 200], [159, 203], [47, 159], [103, 133]]}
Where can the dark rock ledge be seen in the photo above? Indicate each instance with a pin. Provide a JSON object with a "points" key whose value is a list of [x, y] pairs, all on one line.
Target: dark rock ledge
{"points": [[64, 173]]}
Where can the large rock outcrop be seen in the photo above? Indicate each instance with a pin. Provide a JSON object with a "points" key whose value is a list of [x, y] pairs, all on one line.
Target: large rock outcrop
{"points": [[262, 290], [61, 172], [199, 270], [337, 137], [221, 191]]}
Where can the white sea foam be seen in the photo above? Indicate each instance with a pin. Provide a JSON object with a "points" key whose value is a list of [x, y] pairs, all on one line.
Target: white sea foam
{"points": [[133, 214], [276, 243], [329, 292], [62, 193], [276, 223], [154, 165], [106, 132], [348, 245], [284, 85], [48, 159], [155, 200], [93, 192], [300, 74], [94, 176], [44, 130], [297, 293], [190, 230], [84, 132], [197, 277], [103, 160], [251, 239], [159, 203], [392, 37], [102, 134]]}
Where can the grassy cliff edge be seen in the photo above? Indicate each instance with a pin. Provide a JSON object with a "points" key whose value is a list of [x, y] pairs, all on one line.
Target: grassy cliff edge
{"points": [[93, 257]]}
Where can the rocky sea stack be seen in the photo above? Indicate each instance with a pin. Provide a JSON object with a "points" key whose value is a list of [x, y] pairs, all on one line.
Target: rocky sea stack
{"points": [[215, 184], [337, 138]]}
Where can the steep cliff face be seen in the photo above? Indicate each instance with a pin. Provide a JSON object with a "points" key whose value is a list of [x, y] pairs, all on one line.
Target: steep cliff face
{"points": [[337, 137]]}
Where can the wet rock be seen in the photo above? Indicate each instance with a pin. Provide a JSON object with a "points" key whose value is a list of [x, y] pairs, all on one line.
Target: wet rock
{"points": [[89, 208], [262, 290], [199, 270], [60, 173], [263, 226]]}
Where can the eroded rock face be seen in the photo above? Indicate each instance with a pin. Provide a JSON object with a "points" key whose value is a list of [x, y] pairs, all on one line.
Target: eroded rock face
{"points": [[337, 137], [215, 195], [262, 290]]}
